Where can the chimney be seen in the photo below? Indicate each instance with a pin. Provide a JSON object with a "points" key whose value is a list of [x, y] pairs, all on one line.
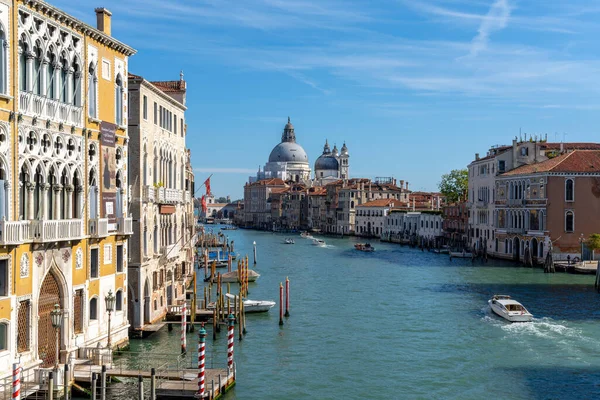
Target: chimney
{"points": [[562, 147], [401, 183], [103, 20], [406, 185], [476, 156]]}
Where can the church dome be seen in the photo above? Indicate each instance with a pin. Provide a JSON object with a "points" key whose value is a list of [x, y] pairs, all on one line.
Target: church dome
{"points": [[288, 152], [326, 162]]}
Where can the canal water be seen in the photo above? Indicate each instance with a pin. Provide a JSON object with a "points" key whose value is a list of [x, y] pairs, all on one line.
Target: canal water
{"points": [[401, 323]]}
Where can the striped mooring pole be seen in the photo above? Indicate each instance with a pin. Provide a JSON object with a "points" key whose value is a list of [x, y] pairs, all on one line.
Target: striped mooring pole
{"points": [[201, 350], [16, 382], [183, 327], [231, 323], [287, 297], [280, 304]]}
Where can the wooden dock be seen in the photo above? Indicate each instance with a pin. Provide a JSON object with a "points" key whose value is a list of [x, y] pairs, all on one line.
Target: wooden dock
{"points": [[217, 382]]}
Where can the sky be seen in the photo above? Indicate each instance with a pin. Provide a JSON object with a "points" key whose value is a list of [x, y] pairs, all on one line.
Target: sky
{"points": [[414, 88]]}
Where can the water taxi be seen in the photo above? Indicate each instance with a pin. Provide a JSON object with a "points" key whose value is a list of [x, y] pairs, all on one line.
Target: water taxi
{"points": [[318, 242], [364, 247], [509, 309], [288, 241]]}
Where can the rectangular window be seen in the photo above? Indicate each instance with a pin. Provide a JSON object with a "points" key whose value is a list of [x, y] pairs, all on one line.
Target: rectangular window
{"points": [[94, 263], [175, 123], [107, 254], [181, 127], [501, 166], [106, 69], [78, 311], [145, 105], [120, 258], [24, 322], [161, 116], [155, 113], [4, 277]]}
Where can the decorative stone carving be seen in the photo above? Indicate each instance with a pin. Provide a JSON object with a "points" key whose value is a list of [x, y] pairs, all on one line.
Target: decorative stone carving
{"points": [[39, 259], [24, 266], [79, 259], [66, 255]]}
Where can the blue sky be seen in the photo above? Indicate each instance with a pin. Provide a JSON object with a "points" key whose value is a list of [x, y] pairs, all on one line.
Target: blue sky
{"points": [[415, 88]]}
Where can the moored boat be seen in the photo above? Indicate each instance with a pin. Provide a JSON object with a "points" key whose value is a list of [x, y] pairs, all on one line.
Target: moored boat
{"points": [[509, 309], [460, 254], [233, 276], [364, 247], [253, 306]]}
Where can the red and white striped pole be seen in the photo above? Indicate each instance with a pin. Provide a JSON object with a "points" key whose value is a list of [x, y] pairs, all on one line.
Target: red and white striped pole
{"points": [[201, 350], [231, 324], [287, 297], [280, 303], [183, 328], [16, 382]]}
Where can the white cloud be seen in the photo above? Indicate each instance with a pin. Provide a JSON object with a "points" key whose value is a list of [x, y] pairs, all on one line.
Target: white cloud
{"points": [[495, 20]]}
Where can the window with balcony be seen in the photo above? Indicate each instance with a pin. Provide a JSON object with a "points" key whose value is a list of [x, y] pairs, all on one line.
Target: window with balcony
{"points": [[569, 221], [94, 260], [569, 190], [119, 100]]}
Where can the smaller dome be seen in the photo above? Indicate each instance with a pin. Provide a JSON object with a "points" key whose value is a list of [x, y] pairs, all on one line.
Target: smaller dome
{"points": [[335, 151], [344, 150], [327, 162]]}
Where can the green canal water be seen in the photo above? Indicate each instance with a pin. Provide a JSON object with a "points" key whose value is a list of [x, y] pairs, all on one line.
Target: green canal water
{"points": [[404, 324]]}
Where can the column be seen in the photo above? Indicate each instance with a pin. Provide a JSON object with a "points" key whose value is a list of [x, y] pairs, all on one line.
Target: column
{"points": [[80, 202], [30, 205], [44, 76], [70, 189], [69, 85], [56, 81], [56, 200], [30, 55], [44, 206]]}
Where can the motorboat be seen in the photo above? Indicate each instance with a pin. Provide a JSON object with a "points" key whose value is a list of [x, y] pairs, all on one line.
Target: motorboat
{"points": [[509, 309], [460, 254], [288, 241], [306, 235], [318, 242], [253, 306], [364, 247]]}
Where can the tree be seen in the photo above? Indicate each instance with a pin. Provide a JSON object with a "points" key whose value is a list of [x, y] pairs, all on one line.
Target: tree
{"points": [[455, 185], [593, 243]]}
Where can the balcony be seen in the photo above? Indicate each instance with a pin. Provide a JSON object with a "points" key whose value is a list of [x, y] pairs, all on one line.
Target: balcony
{"points": [[173, 196], [516, 230], [160, 195], [125, 226], [14, 232], [515, 202], [170, 251], [98, 227], [56, 230], [45, 108], [148, 193]]}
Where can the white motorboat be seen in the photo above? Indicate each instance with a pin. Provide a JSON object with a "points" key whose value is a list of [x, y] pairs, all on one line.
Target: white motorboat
{"points": [[289, 241], [306, 235], [509, 309], [318, 242], [253, 306], [460, 254]]}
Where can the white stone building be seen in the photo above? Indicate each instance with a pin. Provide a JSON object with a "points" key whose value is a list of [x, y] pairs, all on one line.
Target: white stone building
{"points": [[161, 248], [371, 216], [402, 224]]}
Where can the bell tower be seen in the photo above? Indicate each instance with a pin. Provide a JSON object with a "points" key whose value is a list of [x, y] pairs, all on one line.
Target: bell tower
{"points": [[344, 160]]}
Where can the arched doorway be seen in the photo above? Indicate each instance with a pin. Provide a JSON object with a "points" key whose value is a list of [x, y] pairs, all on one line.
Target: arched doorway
{"points": [[516, 249], [534, 250], [146, 302], [50, 294]]}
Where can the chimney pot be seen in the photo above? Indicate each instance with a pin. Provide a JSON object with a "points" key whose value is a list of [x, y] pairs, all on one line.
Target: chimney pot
{"points": [[477, 156], [103, 22]]}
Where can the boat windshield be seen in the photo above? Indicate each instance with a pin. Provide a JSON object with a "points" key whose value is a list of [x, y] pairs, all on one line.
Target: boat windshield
{"points": [[515, 307]]}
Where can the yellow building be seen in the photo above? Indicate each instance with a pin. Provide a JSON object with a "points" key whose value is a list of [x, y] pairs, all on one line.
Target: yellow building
{"points": [[63, 180]]}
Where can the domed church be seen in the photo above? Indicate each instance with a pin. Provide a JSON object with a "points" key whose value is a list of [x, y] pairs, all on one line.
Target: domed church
{"points": [[288, 161]]}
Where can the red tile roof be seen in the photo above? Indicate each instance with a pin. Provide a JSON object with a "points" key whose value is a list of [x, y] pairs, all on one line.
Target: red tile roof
{"points": [[573, 161], [379, 203], [170, 86]]}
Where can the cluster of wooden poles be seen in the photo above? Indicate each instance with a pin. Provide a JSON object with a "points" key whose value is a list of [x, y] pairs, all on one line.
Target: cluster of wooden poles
{"points": [[224, 306]]}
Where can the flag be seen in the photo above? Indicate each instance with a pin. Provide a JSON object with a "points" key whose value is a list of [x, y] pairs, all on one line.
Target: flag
{"points": [[207, 184], [204, 204]]}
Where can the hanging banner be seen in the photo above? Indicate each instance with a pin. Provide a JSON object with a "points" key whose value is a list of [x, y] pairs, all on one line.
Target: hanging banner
{"points": [[108, 167]]}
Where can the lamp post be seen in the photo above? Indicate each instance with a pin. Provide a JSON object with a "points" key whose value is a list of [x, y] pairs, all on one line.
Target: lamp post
{"points": [[110, 306], [581, 241], [56, 318]]}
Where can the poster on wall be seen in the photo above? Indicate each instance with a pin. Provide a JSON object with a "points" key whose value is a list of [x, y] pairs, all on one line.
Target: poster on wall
{"points": [[109, 171]]}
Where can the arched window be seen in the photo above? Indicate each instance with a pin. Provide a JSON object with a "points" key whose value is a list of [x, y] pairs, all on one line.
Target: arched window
{"points": [[37, 69], [569, 221], [94, 309], [92, 90], [23, 50], [119, 100], [62, 82], [569, 190], [76, 82], [3, 336], [52, 65], [3, 61], [119, 300]]}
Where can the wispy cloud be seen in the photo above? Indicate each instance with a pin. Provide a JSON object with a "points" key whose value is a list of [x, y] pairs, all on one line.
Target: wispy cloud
{"points": [[495, 20], [216, 170]]}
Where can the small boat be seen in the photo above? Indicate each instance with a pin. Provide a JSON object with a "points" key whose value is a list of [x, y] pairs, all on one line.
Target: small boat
{"points": [[509, 309], [306, 235], [253, 306], [460, 254], [233, 277], [364, 247], [288, 241], [318, 242]]}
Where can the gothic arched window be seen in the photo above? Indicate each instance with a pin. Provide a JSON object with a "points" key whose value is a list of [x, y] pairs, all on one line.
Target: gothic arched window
{"points": [[92, 90]]}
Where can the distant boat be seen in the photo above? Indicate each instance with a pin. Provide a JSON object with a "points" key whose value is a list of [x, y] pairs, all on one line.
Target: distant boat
{"points": [[366, 247], [306, 235], [318, 242], [460, 254], [509, 309], [288, 241], [233, 277]]}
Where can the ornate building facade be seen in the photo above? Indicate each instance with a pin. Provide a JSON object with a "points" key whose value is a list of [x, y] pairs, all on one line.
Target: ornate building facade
{"points": [[63, 183], [162, 188]]}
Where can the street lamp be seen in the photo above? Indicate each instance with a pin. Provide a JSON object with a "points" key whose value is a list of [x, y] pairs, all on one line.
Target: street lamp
{"points": [[110, 306], [581, 241], [56, 318]]}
